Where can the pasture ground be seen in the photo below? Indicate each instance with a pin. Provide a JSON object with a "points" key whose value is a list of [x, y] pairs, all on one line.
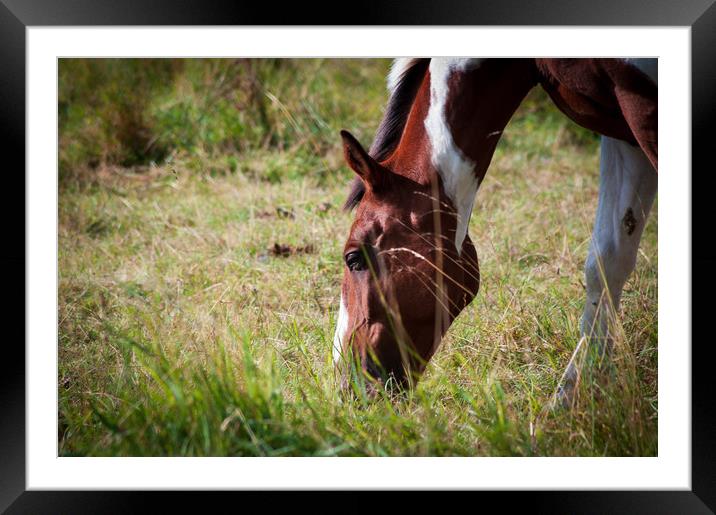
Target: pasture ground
{"points": [[200, 261]]}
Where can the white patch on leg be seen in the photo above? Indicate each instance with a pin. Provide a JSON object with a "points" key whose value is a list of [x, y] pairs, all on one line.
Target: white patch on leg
{"points": [[626, 192], [456, 170], [627, 188], [341, 328]]}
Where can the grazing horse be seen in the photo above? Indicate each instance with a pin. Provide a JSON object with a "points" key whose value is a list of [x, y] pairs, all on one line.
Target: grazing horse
{"points": [[410, 266]]}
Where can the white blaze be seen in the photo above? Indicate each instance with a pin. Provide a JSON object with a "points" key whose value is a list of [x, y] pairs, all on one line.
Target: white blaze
{"points": [[341, 327], [456, 170]]}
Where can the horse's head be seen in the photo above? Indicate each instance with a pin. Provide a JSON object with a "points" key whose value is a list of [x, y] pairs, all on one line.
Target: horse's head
{"points": [[404, 281]]}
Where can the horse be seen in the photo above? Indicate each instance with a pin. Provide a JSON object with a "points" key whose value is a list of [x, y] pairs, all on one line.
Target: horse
{"points": [[410, 265]]}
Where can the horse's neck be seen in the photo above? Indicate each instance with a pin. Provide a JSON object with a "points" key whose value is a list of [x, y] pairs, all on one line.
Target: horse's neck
{"points": [[456, 121]]}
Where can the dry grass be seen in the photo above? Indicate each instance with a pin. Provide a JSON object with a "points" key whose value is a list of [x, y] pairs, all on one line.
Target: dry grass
{"points": [[183, 333]]}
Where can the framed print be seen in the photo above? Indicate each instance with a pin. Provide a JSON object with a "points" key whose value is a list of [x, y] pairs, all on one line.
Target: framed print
{"points": [[249, 265]]}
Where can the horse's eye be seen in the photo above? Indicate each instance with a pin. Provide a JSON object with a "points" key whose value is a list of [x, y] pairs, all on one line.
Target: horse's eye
{"points": [[355, 261]]}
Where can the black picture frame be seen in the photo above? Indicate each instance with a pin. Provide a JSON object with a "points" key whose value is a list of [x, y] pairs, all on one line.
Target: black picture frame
{"points": [[699, 15]]}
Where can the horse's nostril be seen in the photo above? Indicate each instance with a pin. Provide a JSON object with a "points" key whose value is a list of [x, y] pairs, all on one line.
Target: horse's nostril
{"points": [[373, 368], [392, 380]]}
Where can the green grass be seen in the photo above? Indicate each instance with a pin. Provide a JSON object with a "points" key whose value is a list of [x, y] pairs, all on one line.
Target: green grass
{"points": [[181, 333]]}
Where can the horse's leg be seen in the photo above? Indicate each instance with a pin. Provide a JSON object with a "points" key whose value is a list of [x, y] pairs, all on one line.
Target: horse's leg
{"points": [[627, 189]]}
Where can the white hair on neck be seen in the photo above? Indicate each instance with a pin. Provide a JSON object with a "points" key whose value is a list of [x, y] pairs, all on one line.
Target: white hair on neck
{"points": [[456, 170], [397, 69]]}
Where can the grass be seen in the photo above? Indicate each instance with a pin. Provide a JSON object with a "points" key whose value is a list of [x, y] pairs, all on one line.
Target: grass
{"points": [[184, 332]]}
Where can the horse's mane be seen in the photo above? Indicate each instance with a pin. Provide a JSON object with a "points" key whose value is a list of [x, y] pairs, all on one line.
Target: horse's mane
{"points": [[404, 81]]}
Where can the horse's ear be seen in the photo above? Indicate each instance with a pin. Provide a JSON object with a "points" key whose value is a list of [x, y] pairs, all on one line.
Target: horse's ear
{"points": [[358, 159]]}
